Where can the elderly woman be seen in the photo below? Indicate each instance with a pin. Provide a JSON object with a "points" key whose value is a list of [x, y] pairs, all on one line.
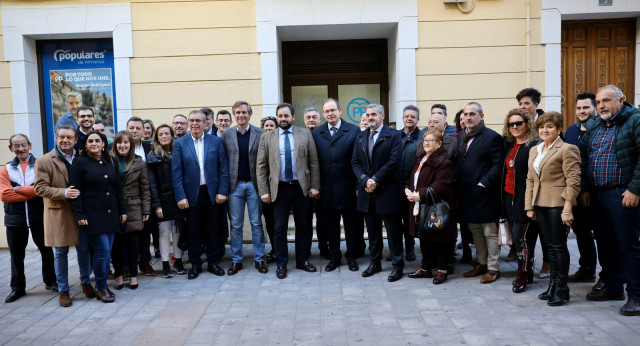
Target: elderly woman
{"points": [[132, 173], [432, 170], [269, 123], [553, 184], [100, 208], [520, 137]]}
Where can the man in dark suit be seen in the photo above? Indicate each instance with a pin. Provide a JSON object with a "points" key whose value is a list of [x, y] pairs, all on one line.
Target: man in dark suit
{"points": [[241, 143], [311, 122], [86, 120], [200, 183], [478, 174], [334, 141], [376, 159], [438, 122], [288, 174]]}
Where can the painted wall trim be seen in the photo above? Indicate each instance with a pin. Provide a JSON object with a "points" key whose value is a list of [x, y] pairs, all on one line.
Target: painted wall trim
{"points": [[23, 25]]}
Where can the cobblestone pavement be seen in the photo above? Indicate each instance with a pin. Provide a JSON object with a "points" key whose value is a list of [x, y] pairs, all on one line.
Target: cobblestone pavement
{"points": [[336, 308]]}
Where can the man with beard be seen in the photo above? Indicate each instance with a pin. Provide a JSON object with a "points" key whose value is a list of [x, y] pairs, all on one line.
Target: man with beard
{"points": [[582, 224], [289, 174], [179, 125], [74, 101], [86, 119], [610, 150]]}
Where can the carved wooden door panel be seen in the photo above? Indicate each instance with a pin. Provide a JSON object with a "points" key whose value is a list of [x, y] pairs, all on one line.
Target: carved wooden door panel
{"points": [[594, 54]]}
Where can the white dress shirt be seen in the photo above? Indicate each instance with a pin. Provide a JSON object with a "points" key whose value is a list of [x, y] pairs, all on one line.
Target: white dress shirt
{"points": [[140, 152], [198, 143]]}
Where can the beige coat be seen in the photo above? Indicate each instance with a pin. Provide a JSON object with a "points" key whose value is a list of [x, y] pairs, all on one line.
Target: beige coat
{"points": [[52, 179], [268, 162], [559, 178]]}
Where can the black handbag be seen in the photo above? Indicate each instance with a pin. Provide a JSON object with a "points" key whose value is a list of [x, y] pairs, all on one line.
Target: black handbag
{"points": [[434, 215]]}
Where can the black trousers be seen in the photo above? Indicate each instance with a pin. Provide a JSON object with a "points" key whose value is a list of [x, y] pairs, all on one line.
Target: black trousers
{"points": [[17, 239], [394, 235], [405, 213], [290, 195], [315, 206], [358, 236], [436, 253], [583, 229], [524, 234], [203, 222], [125, 251], [332, 225], [267, 212], [555, 233]]}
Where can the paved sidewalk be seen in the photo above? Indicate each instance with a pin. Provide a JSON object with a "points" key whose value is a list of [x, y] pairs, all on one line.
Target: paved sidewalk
{"points": [[336, 308]]}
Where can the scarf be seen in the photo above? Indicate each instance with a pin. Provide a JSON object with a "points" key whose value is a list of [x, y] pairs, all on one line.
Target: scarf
{"points": [[466, 137]]}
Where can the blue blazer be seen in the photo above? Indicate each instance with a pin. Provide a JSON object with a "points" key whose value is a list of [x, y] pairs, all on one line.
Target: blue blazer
{"points": [[383, 167], [185, 170], [336, 174]]}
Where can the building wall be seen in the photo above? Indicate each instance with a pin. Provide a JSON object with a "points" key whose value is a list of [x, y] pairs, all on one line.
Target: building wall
{"points": [[480, 56]]}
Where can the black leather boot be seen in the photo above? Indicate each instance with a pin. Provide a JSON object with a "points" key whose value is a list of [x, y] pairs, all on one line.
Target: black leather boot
{"points": [[561, 296]]}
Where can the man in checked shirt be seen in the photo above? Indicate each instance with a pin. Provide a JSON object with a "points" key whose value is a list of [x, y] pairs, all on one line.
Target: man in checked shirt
{"points": [[610, 150]]}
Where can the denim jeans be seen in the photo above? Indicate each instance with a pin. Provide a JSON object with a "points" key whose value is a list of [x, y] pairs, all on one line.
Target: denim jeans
{"points": [[61, 264], [244, 192], [101, 244]]}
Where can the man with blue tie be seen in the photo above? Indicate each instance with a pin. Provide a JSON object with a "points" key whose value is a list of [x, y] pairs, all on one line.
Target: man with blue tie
{"points": [[376, 163], [288, 174], [201, 182], [334, 141]]}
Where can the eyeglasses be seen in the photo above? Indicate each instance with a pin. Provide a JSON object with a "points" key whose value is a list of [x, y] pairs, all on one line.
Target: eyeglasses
{"points": [[329, 111], [66, 137], [224, 120], [516, 124], [430, 140]]}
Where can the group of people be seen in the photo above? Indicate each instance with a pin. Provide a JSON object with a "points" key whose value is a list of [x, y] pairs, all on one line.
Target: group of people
{"points": [[192, 179]]}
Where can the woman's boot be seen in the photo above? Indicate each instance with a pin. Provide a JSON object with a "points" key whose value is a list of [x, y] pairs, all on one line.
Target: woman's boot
{"points": [[520, 283]]}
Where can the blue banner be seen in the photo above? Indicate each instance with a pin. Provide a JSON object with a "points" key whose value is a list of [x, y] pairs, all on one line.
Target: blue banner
{"points": [[76, 73]]}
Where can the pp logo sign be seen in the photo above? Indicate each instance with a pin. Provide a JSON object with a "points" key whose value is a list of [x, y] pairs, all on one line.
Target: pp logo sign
{"points": [[356, 108]]}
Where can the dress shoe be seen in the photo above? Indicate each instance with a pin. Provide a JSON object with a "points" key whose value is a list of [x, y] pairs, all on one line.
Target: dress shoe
{"points": [[306, 266], [421, 273], [281, 272], [14, 295], [271, 257], [599, 286], [477, 271], [396, 274], [109, 291], [262, 267], [193, 273], [234, 269], [631, 308], [88, 291], [53, 287], [178, 267], [603, 295], [560, 297], [147, 270], [582, 276], [353, 265], [544, 271], [374, 267], [333, 264], [490, 277], [440, 278], [215, 269], [411, 255], [105, 297], [65, 299]]}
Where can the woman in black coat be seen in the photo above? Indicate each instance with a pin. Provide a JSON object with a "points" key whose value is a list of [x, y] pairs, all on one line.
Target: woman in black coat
{"points": [[100, 208], [432, 170], [132, 172], [520, 137], [163, 202]]}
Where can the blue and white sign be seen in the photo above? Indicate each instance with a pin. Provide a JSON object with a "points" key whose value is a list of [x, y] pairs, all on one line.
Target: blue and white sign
{"points": [[356, 108], [76, 73]]}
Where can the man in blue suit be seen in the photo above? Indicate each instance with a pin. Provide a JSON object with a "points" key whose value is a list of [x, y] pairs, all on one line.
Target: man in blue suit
{"points": [[201, 182], [334, 142], [376, 161]]}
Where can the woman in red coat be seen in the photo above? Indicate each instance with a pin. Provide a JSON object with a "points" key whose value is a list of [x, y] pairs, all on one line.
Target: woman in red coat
{"points": [[432, 169]]}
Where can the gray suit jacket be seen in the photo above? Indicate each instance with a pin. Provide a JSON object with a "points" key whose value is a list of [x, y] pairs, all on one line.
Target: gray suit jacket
{"points": [[230, 141], [268, 168]]}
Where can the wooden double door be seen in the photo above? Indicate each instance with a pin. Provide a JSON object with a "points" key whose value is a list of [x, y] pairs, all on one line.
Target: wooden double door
{"points": [[594, 54]]}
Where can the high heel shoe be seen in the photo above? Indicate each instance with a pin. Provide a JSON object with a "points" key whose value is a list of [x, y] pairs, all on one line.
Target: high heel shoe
{"points": [[119, 287], [560, 297], [133, 286]]}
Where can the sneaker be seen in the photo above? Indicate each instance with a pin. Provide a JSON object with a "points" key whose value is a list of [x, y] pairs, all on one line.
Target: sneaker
{"points": [[166, 270], [178, 267]]}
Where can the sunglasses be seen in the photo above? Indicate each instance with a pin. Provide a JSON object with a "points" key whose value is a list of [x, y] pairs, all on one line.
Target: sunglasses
{"points": [[516, 124]]}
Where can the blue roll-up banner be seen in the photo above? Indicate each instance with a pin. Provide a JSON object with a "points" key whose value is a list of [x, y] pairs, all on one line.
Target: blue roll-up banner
{"points": [[76, 73]]}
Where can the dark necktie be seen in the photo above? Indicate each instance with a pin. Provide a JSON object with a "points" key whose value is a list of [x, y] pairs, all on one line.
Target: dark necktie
{"points": [[288, 168], [333, 130], [372, 142]]}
